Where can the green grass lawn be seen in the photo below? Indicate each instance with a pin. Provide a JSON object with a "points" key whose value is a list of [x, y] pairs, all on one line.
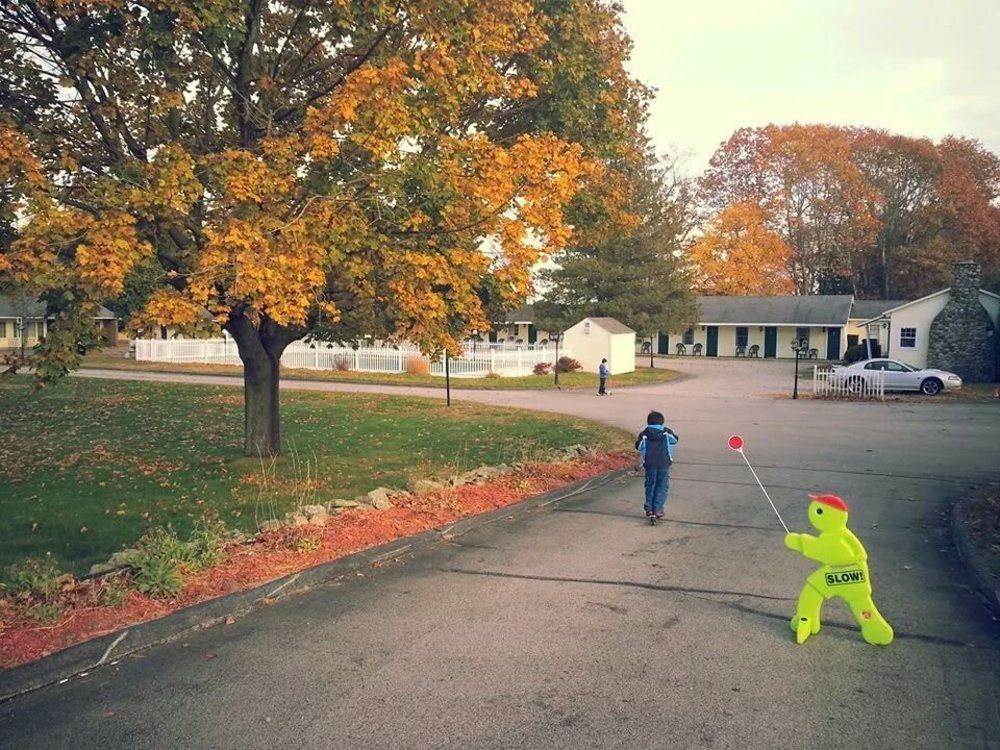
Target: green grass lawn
{"points": [[87, 466], [643, 375]]}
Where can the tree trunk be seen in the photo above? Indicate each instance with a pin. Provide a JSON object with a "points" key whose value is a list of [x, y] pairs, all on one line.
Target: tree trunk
{"points": [[262, 433], [260, 349]]}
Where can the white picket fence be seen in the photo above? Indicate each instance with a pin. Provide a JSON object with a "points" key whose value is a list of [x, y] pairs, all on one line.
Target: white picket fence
{"points": [[867, 384], [318, 355]]}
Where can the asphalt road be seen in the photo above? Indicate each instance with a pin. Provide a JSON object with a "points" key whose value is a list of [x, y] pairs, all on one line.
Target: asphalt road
{"points": [[579, 626]]}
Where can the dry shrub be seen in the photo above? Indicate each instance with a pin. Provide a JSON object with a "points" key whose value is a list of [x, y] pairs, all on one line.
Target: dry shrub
{"points": [[567, 364], [342, 362], [417, 366], [542, 368]]}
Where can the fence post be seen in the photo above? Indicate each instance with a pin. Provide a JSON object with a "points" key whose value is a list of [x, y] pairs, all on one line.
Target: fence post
{"points": [[520, 366]]}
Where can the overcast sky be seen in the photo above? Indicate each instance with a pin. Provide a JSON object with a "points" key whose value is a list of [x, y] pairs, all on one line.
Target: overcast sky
{"points": [[923, 67]]}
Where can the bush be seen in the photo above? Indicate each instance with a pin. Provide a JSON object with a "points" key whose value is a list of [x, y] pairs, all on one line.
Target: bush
{"points": [[343, 362], [855, 353], [36, 577], [417, 366], [567, 364], [164, 558], [542, 368]]}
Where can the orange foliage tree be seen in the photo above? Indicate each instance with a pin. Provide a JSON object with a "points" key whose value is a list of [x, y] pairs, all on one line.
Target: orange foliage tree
{"points": [[738, 254], [862, 209], [300, 168], [808, 189]]}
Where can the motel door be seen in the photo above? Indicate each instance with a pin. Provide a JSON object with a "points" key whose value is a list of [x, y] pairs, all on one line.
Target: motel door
{"points": [[832, 343], [712, 344], [663, 344], [770, 341]]}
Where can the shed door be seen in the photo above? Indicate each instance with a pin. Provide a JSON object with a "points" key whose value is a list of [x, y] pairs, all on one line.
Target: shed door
{"points": [[832, 343]]}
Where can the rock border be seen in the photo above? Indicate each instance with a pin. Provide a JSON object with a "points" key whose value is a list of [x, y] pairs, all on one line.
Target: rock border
{"points": [[986, 585], [80, 660]]}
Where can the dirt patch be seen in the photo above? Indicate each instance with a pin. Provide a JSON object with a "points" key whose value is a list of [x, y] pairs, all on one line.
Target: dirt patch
{"points": [[269, 556]]}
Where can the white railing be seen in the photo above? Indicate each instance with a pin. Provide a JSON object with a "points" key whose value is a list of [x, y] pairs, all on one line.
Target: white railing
{"points": [[839, 381], [319, 355]]}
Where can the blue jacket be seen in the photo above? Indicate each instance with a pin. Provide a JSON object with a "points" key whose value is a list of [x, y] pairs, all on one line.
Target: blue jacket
{"points": [[656, 444], [603, 370]]}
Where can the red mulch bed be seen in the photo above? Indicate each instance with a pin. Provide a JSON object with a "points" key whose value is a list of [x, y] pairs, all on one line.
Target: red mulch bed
{"points": [[276, 554]]}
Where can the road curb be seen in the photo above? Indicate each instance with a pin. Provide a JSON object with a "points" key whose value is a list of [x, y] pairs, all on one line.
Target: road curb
{"points": [[986, 585], [80, 660]]}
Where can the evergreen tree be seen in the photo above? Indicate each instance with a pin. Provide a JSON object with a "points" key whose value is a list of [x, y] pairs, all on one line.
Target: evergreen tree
{"points": [[634, 274]]}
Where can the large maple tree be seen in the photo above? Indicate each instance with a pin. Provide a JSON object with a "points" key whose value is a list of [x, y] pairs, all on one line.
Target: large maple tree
{"points": [[294, 166]]}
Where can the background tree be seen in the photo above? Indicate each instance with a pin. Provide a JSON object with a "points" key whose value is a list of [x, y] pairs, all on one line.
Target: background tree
{"points": [[738, 254], [810, 192], [864, 211], [630, 271], [296, 167], [904, 173]]}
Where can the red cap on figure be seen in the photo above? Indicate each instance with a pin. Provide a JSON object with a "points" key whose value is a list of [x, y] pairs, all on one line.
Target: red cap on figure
{"points": [[832, 500]]}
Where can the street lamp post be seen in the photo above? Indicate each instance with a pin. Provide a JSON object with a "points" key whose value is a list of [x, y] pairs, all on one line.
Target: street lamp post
{"points": [[651, 365], [798, 346], [556, 336]]}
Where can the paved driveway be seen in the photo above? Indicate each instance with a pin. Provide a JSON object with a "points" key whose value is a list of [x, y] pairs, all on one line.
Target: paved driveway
{"points": [[581, 627]]}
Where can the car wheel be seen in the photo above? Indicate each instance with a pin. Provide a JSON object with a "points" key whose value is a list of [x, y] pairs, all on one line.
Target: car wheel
{"points": [[855, 386], [930, 387]]}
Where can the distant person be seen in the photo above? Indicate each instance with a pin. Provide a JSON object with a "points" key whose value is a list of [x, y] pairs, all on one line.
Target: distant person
{"points": [[656, 442], [603, 372]]}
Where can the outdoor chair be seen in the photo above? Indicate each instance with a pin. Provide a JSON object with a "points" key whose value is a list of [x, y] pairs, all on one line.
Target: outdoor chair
{"points": [[696, 350], [755, 350], [681, 350], [646, 346], [814, 354], [741, 351]]}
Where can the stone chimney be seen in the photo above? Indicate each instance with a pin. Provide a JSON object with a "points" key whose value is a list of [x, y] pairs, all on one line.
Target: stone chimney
{"points": [[963, 339], [966, 282]]}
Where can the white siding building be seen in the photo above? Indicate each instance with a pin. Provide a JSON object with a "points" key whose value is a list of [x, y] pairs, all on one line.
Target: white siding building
{"points": [[594, 339], [905, 329]]}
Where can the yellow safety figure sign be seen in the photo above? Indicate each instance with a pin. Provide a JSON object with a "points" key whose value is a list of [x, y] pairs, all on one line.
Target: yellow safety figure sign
{"points": [[844, 573]]}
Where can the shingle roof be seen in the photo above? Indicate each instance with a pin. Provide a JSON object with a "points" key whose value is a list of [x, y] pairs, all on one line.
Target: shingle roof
{"points": [[807, 310], [10, 308], [612, 325], [866, 309], [35, 310], [523, 314]]}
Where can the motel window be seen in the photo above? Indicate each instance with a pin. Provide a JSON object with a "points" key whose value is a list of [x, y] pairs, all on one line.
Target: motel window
{"points": [[802, 334], [907, 338], [3, 329], [742, 335], [689, 337]]}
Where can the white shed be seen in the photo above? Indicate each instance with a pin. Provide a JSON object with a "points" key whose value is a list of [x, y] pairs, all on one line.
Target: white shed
{"points": [[594, 339]]}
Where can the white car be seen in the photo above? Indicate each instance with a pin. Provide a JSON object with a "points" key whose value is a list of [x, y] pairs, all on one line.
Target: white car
{"points": [[899, 376]]}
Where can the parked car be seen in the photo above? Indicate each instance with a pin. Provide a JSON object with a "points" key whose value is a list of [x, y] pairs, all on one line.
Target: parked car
{"points": [[899, 376]]}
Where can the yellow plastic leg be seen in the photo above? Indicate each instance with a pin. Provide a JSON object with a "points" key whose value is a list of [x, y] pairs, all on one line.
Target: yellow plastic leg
{"points": [[807, 614], [874, 628]]}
